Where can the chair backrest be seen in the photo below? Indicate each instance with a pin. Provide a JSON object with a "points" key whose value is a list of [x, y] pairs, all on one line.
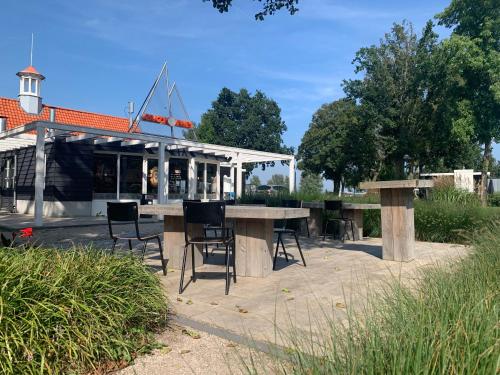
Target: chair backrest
{"points": [[334, 206], [206, 213], [291, 203], [123, 212]]}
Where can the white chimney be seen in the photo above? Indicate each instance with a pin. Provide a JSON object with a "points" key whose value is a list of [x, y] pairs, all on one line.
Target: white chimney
{"points": [[29, 90]]}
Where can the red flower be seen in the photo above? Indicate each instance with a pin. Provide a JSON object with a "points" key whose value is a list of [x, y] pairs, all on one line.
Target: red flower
{"points": [[26, 232]]}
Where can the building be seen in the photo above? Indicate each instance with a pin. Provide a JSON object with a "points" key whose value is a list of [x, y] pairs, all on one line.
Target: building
{"points": [[64, 162]]}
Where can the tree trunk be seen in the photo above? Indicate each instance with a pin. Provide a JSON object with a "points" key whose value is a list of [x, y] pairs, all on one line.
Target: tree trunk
{"points": [[484, 172]]}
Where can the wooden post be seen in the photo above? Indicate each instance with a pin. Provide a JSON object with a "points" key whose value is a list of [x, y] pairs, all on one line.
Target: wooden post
{"points": [[357, 220], [173, 238], [398, 229], [39, 174]]}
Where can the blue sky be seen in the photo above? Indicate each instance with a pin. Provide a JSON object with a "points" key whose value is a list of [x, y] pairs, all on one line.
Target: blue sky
{"points": [[99, 54]]}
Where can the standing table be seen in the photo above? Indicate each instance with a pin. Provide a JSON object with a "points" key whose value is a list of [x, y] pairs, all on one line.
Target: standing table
{"points": [[253, 229], [398, 227], [353, 211]]}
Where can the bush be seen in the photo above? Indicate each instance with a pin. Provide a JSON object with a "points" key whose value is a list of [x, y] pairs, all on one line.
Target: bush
{"points": [[446, 324], [444, 191], [74, 311], [494, 200]]}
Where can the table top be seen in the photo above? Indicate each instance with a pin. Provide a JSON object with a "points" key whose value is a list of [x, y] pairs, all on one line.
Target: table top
{"points": [[396, 184], [345, 205], [232, 212]]}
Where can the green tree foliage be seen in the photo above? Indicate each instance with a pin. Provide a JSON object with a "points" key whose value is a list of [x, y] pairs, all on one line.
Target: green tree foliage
{"points": [[254, 180], [404, 102], [240, 119], [269, 7], [279, 179], [475, 43], [311, 184], [335, 144]]}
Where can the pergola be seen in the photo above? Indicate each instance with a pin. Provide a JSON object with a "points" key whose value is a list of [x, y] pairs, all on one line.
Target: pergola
{"points": [[46, 132]]}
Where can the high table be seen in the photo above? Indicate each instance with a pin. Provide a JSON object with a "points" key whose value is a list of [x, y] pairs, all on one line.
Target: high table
{"points": [[398, 227], [352, 211], [253, 228]]}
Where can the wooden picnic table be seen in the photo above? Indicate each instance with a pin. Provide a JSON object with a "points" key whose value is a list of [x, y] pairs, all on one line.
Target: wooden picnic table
{"points": [[397, 220], [253, 227], [352, 211]]}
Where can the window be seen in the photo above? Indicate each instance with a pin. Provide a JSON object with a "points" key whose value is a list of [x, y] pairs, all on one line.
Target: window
{"points": [[152, 178], [105, 176], [130, 177], [8, 173], [26, 82], [200, 181], [33, 86], [178, 178], [211, 183]]}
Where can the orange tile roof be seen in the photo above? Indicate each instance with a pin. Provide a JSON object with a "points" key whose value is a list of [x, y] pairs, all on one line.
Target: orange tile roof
{"points": [[30, 69], [16, 117]]}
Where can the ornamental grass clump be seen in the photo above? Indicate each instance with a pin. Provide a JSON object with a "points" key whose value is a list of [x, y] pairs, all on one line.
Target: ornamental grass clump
{"points": [[75, 311], [448, 323]]}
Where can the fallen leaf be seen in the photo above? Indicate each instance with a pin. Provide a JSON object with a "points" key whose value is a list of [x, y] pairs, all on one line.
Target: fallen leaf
{"points": [[189, 302], [214, 303], [285, 290], [185, 351], [243, 311], [290, 298], [165, 350], [340, 305], [192, 334], [179, 299], [231, 345]]}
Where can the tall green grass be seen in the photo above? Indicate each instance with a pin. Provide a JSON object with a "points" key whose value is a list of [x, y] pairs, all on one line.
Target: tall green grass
{"points": [[74, 311], [447, 324]]}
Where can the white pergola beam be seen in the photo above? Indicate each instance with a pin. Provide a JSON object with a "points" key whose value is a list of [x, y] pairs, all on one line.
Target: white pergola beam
{"points": [[80, 137], [107, 140], [134, 142]]}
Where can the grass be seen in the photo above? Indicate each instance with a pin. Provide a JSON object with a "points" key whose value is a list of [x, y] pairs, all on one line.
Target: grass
{"points": [[75, 311], [447, 324]]}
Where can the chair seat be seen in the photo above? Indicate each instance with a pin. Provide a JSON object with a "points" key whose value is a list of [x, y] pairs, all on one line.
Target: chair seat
{"points": [[210, 240], [133, 236], [284, 230]]}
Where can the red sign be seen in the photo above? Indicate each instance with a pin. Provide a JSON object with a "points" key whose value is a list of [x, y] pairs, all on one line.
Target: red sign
{"points": [[165, 121]]}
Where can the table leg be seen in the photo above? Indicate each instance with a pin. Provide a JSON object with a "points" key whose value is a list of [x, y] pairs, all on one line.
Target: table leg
{"points": [[398, 229], [173, 242], [315, 221], [357, 219], [254, 247]]}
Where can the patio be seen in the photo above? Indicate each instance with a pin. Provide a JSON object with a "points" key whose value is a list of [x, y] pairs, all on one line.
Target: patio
{"points": [[338, 276]]}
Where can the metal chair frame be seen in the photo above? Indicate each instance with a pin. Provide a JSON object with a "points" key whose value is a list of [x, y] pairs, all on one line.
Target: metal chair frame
{"points": [[284, 230], [336, 207], [127, 212], [207, 213]]}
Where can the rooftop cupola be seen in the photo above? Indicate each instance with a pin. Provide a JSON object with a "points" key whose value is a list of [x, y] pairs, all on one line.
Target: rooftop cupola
{"points": [[29, 90]]}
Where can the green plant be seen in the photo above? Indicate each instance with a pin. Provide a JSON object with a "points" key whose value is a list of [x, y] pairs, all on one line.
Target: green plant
{"points": [[445, 324], [494, 200], [74, 311], [450, 194]]}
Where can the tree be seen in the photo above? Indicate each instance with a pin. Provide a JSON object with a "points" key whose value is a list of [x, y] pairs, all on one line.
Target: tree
{"points": [[335, 146], [475, 36], [269, 8], [243, 120], [311, 184], [279, 179], [255, 180]]}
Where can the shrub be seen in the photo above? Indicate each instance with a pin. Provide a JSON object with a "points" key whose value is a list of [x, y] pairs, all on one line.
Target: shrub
{"points": [[74, 311], [445, 191], [494, 199], [446, 324]]}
